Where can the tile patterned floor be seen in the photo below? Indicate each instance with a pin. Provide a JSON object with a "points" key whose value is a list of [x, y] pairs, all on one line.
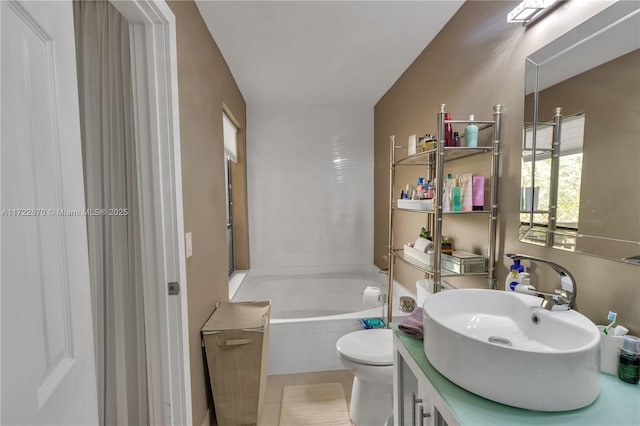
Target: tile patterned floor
{"points": [[271, 409]]}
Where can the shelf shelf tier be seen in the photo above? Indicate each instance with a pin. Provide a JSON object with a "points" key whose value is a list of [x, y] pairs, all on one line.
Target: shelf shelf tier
{"points": [[446, 213], [428, 269], [437, 156], [427, 158]]}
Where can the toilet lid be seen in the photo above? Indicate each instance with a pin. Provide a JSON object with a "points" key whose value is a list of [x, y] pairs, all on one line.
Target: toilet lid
{"points": [[373, 347]]}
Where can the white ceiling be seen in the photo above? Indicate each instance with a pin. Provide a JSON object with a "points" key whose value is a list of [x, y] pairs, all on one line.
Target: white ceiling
{"points": [[322, 52]]}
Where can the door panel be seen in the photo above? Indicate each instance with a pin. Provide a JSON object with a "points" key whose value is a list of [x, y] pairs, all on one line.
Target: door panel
{"points": [[47, 369]]}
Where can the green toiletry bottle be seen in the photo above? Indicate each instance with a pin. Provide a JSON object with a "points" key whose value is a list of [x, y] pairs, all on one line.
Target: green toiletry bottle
{"points": [[457, 196], [629, 366]]}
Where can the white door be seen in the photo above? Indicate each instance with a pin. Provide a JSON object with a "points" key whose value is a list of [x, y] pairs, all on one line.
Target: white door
{"points": [[47, 365]]}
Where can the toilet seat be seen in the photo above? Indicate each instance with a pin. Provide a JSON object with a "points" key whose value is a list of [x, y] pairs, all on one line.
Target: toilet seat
{"points": [[370, 347]]}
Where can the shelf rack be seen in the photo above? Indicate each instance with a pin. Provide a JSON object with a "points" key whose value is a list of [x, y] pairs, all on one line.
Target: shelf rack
{"points": [[434, 159]]}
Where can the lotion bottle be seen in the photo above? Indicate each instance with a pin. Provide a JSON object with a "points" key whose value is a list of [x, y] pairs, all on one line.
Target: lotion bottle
{"points": [[467, 192], [513, 278], [471, 133], [456, 198]]}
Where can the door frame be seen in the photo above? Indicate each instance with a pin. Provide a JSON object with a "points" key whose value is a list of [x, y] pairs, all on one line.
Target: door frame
{"points": [[231, 266], [152, 30]]}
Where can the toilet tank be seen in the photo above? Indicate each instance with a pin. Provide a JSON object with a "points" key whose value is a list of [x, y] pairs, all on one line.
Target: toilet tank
{"points": [[424, 288]]}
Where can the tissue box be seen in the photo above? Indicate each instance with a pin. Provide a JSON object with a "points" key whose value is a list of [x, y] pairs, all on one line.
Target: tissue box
{"points": [[462, 262], [418, 255], [415, 204]]}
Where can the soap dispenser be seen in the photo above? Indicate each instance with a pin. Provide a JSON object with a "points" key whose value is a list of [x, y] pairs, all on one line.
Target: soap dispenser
{"points": [[471, 133], [513, 278]]}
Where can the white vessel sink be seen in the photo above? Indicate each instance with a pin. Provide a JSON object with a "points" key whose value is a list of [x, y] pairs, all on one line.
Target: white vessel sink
{"points": [[504, 347]]}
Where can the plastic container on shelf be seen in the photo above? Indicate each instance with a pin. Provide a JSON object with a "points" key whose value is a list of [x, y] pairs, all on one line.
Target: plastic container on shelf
{"points": [[426, 204], [463, 262]]}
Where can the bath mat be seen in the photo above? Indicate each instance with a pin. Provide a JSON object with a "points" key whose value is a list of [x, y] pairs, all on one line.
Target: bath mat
{"points": [[314, 405]]}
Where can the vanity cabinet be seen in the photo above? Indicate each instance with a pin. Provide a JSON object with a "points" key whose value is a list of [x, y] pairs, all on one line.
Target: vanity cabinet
{"points": [[445, 403], [433, 159], [415, 401]]}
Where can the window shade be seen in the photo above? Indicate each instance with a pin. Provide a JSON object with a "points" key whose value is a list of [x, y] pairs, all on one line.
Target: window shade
{"points": [[571, 138], [230, 132]]}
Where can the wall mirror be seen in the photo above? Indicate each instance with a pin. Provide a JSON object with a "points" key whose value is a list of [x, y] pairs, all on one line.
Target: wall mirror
{"points": [[580, 188]]}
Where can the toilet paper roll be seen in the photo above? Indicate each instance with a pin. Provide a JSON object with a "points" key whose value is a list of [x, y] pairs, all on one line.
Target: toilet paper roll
{"points": [[423, 244], [372, 296]]}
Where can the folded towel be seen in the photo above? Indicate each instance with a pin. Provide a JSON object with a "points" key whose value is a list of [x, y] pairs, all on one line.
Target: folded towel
{"points": [[413, 325]]}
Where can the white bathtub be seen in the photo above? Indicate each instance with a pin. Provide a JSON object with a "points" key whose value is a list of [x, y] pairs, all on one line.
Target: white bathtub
{"points": [[310, 312]]}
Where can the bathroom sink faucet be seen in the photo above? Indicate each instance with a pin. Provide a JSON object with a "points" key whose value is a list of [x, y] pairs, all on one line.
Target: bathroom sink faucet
{"points": [[566, 298]]}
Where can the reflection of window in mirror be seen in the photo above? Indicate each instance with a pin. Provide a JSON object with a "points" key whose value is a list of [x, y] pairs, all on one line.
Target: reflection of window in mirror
{"points": [[536, 179]]}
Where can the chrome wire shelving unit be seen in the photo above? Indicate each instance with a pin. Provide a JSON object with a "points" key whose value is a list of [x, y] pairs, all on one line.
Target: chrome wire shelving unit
{"points": [[434, 159]]}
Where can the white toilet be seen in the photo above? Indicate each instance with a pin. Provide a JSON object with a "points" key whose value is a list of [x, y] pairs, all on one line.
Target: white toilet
{"points": [[369, 353]]}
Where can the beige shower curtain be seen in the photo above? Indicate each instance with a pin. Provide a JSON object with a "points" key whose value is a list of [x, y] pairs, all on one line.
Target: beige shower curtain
{"points": [[104, 77]]}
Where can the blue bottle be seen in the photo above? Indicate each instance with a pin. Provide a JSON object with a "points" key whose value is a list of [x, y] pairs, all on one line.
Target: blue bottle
{"points": [[471, 133]]}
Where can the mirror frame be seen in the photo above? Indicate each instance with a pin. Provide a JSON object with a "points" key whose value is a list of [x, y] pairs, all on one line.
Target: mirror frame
{"points": [[604, 20]]}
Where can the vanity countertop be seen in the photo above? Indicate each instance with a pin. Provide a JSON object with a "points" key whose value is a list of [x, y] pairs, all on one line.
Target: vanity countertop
{"points": [[618, 403]]}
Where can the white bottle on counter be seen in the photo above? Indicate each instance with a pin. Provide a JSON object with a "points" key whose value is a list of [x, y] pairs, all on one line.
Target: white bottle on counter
{"points": [[525, 284], [513, 278]]}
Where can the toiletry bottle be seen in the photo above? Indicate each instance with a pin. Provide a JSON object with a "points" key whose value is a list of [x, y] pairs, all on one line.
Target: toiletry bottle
{"points": [[456, 139], [513, 278], [467, 192], [430, 191], [471, 133], [629, 366], [525, 284], [478, 192], [448, 131], [446, 196], [420, 188], [426, 140], [457, 195]]}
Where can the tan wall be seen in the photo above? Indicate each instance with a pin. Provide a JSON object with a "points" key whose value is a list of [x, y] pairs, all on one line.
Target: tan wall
{"points": [[205, 83], [478, 60]]}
